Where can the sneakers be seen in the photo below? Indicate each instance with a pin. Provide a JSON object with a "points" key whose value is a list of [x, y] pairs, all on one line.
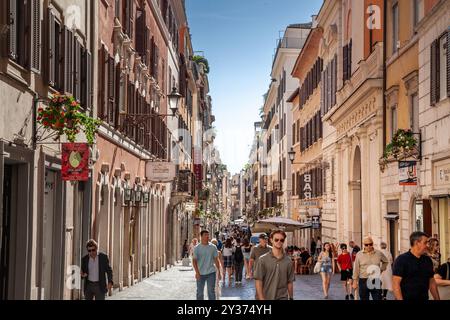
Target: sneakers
{"points": [[352, 297], [347, 297]]}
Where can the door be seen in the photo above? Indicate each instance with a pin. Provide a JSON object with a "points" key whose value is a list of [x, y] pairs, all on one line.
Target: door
{"points": [[5, 232], [444, 234], [393, 237]]}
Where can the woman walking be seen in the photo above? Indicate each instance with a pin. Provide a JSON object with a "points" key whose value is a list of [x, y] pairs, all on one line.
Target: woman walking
{"points": [[386, 275], [246, 248], [227, 254], [326, 259], [433, 253]]}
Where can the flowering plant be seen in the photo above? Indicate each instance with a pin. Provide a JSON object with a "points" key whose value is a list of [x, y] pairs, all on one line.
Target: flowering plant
{"points": [[64, 116], [403, 145]]}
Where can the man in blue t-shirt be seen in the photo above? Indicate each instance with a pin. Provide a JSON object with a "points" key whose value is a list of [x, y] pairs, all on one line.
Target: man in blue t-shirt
{"points": [[413, 274], [204, 258]]}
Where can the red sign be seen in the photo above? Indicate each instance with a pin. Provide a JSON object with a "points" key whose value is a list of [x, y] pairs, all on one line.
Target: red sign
{"points": [[75, 162], [198, 172]]}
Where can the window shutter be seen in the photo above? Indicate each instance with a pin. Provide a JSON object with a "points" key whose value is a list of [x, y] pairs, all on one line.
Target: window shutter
{"points": [[313, 130], [77, 70], [36, 36], [140, 33], [12, 31], [51, 73], [111, 103], [345, 56], [68, 60], [147, 45], [86, 71], [433, 73], [448, 63]]}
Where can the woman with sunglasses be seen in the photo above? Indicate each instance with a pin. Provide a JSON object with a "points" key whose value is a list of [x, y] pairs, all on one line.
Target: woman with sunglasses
{"points": [[327, 267]]}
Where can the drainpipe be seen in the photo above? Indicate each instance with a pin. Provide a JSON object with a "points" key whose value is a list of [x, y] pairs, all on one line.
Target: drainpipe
{"points": [[384, 71]]}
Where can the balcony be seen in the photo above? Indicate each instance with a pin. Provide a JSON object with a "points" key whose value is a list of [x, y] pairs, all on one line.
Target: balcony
{"points": [[182, 185]]}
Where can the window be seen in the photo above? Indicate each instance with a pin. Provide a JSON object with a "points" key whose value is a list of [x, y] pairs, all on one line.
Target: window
{"points": [[393, 121], [414, 113], [395, 28], [443, 72], [440, 71], [417, 11]]}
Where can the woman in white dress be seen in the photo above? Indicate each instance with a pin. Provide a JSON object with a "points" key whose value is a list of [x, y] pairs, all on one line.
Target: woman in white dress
{"points": [[386, 275]]}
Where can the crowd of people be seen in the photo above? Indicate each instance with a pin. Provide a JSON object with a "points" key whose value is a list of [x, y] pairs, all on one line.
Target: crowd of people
{"points": [[365, 273]]}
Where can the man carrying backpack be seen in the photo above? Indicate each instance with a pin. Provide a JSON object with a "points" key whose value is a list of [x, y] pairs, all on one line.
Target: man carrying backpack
{"points": [[238, 262]]}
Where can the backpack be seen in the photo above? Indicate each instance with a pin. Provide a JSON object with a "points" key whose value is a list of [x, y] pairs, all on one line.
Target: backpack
{"points": [[238, 256]]}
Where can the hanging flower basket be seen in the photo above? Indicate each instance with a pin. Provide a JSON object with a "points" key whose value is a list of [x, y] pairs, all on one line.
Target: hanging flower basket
{"points": [[404, 144], [64, 116]]}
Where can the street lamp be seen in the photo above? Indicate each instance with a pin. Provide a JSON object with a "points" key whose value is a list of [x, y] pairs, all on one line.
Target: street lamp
{"points": [[174, 100], [291, 155]]}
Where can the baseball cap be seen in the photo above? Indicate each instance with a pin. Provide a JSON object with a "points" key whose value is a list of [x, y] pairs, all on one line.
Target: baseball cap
{"points": [[263, 236]]}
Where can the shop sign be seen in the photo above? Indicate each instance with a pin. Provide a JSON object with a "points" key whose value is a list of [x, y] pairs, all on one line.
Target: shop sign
{"points": [[407, 173], [442, 173], [307, 189], [160, 171], [315, 220], [75, 162]]}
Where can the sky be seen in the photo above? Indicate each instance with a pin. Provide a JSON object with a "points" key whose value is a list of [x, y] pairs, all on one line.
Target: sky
{"points": [[239, 37]]}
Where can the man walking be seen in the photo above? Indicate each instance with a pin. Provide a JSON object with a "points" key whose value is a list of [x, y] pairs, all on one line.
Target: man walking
{"points": [[256, 252], [274, 274], [95, 269], [413, 274], [368, 266], [204, 258], [238, 262]]}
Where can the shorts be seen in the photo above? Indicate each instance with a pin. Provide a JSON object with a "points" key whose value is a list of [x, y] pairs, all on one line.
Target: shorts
{"points": [[326, 269], [227, 261], [346, 275]]}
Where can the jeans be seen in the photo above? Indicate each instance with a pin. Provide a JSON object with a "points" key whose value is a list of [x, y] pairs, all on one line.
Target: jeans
{"points": [[210, 281], [238, 267], [365, 292]]}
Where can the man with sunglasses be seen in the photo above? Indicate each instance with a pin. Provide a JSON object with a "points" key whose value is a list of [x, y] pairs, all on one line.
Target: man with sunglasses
{"points": [[274, 274], [368, 266], [95, 269]]}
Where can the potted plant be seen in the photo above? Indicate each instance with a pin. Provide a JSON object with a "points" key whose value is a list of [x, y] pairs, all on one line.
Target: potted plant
{"points": [[64, 116], [403, 145]]}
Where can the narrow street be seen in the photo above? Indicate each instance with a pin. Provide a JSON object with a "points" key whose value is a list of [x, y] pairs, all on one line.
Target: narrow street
{"points": [[178, 283]]}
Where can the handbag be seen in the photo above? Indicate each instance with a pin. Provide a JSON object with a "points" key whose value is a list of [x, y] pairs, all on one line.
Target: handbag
{"points": [[317, 267]]}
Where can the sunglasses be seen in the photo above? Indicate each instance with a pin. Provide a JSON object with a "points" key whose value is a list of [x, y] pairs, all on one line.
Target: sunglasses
{"points": [[368, 244], [279, 240]]}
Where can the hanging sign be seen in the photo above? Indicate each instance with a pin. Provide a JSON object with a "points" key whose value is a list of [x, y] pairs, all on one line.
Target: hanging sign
{"points": [[407, 171], [75, 162], [159, 171]]}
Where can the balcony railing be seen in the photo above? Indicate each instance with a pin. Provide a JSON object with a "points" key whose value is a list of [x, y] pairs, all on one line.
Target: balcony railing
{"points": [[183, 182]]}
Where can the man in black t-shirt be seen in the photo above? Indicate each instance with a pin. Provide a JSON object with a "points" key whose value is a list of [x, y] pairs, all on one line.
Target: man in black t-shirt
{"points": [[413, 272]]}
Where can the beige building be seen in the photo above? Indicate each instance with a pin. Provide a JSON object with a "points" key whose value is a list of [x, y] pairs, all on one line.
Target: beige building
{"points": [[434, 119]]}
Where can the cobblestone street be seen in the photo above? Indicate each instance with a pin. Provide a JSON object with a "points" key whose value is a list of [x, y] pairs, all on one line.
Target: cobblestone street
{"points": [[178, 283]]}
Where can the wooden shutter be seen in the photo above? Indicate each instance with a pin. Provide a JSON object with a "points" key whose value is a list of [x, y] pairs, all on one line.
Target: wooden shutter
{"points": [[433, 73], [12, 29], [86, 71], [36, 36], [147, 45], [77, 70], [51, 52], [111, 90], [345, 60], [313, 130], [88, 84], [448, 63], [68, 61], [140, 33]]}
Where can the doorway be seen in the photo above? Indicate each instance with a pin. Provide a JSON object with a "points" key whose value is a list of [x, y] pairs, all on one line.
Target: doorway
{"points": [[5, 232], [393, 230]]}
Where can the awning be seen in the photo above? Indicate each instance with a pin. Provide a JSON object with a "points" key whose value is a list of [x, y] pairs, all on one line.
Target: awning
{"points": [[391, 216]]}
